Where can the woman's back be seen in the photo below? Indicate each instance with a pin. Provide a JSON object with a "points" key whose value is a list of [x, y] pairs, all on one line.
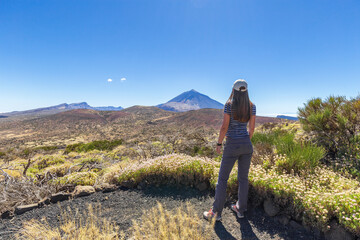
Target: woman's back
{"points": [[237, 130]]}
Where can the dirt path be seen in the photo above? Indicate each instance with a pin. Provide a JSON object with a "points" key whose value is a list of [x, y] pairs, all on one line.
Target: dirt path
{"points": [[124, 205]]}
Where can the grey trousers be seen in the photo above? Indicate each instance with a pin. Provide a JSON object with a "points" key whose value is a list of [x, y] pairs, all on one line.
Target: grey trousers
{"points": [[235, 149]]}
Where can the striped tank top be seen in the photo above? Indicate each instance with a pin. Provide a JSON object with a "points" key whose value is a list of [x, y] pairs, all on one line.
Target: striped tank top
{"points": [[237, 130]]}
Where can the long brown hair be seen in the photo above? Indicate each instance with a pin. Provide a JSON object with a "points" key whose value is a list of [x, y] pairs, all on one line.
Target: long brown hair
{"points": [[240, 105]]}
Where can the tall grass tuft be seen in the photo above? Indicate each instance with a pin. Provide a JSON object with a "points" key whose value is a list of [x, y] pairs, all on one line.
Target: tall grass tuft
{"points": [[182, 223], [297, 156]]}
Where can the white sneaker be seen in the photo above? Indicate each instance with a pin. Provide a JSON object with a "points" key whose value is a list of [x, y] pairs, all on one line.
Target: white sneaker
{"points": [[236, 210], [208, 215]]}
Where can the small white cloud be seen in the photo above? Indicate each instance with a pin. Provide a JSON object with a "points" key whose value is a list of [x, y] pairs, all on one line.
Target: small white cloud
{"points": [[109, 80], [123, 79]]}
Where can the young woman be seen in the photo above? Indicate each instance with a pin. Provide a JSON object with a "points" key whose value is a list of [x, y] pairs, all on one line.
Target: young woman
{"points": [[238, 112]]}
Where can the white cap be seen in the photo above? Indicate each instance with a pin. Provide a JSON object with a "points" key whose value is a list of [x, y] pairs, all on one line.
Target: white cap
{"points": [[240, 83]]}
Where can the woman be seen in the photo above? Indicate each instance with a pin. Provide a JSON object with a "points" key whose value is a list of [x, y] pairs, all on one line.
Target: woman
{"points": [[238, 112]]}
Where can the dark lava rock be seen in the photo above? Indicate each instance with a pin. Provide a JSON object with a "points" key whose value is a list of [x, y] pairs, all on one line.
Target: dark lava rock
{"points": [[44, 201], [24, 208], [7, 214], [61, 196]]}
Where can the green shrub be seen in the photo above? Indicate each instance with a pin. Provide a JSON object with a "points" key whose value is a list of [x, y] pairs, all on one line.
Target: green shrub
{"points": [[334, 122], [2, 154], [102, 145]]}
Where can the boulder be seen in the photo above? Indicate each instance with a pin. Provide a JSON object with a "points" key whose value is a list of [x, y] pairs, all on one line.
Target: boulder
{"points": [[337, 232], [271, 208], [202, 186], [296, 225], [24, 208], [7, 214], [105, 187], [44, 201], [61, 196], [317, 233], [283, 219], [81, 191], [128, 184]]}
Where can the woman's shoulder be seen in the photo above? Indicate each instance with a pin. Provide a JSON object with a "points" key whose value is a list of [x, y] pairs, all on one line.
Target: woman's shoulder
{"points": [[227, 107]]}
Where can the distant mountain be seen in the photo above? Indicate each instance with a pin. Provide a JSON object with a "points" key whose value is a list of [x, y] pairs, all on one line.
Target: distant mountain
{"points": [[109, 108], [287, 117], [190, 100], [57, 109]]}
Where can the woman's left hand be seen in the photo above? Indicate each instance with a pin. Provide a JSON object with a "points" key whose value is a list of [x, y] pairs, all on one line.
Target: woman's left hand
{"points": [[218, 149]]}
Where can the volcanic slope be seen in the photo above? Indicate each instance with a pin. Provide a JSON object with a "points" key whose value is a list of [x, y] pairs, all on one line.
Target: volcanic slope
{"points": [[83, 125]]}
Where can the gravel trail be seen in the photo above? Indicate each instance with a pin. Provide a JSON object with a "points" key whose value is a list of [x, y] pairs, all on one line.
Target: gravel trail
{"points": [[124, 205]]}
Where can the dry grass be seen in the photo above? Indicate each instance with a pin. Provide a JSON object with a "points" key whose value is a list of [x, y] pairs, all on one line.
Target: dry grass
{"points": [[73, 226], [182, 223], [17, 191], [156, 224]]}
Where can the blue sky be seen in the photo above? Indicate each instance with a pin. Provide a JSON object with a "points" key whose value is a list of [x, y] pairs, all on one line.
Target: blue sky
{"points": [[56, 51]]}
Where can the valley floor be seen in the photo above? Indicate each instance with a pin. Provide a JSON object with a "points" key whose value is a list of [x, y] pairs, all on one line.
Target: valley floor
{"points": [[122, 206]]}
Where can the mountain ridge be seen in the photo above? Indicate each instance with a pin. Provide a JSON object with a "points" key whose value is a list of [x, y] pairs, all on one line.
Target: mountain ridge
{"points": [[60, 108]]}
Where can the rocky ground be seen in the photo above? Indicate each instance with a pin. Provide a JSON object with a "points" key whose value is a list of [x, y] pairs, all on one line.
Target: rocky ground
{"points": [[124, 205]]}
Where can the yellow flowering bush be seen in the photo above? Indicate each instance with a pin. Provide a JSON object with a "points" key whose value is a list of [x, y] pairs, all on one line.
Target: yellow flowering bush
{"points": [[175, 168], [316, 197]]}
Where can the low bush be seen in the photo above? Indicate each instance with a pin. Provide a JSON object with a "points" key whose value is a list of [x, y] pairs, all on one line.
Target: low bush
{"points": [[102, 145], [47, 148], [179, 169], [78, 178], [13, 173], [48, 160]]}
